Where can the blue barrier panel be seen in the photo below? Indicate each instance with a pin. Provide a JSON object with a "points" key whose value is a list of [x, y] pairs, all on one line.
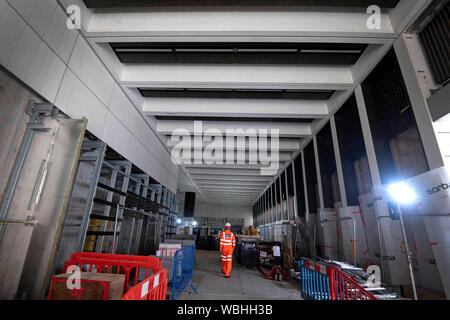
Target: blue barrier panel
{"points": [[315, 284], [183, 266]]}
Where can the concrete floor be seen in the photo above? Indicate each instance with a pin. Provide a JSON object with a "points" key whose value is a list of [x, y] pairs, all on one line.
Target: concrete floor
{"points": [[248, 284]]}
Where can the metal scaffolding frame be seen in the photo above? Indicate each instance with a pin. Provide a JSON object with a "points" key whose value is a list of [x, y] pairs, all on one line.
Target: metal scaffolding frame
{"points": [[111, 209], [37, 112]]}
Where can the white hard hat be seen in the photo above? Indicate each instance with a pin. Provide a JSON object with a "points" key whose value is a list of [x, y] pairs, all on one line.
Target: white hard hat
{"points": [[227, 224]]}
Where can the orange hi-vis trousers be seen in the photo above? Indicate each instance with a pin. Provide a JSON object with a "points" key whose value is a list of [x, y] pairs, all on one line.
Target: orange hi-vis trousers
{"points": [[227, 245]]}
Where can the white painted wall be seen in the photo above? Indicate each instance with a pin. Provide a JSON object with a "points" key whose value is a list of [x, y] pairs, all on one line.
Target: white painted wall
{"points": [[223, 211], [58, 63]]}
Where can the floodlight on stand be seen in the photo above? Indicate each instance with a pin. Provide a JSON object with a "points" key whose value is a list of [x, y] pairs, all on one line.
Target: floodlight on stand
{"points": [[194, 223], [179, 221], [401, 193]]}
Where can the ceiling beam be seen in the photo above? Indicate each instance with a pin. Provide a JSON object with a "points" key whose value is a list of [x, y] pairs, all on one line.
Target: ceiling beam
{"points": [[307, 22], [237, 76], [229, 197], [230, 166], [237, 186], [215, 177], [286, 129], [239, 193], [225, 195], [218, 171], [212, 194], [204, 189], [202, 183], [236, 38], [272, 108], [284, 145], [231, 200], [282, 157]]}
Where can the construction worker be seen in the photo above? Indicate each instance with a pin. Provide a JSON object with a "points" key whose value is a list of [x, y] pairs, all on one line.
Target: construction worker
{"points": [[276, 254], [227, 245]]}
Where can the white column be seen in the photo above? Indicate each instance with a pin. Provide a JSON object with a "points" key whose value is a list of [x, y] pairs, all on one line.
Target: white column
{"points": [[367, 134], [319, 178], [288, 210], [281, 198], [418, 103], [272, 203], [305, 188], [295, 190], [265, 209], [337, 156]]}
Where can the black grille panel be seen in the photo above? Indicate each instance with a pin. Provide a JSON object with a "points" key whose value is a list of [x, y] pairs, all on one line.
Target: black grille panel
{"points": [[235, 119], [390, 97], [435, 38], [236, 94], [239, 53]]}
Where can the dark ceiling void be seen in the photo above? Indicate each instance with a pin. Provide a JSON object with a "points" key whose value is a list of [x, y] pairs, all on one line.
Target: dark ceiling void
{"points": [[240, 53], [236, 93], [227, 3], [235, 119]]}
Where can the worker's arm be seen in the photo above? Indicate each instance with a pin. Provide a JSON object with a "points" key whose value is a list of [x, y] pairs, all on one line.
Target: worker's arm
{"points": [[221, 242]]}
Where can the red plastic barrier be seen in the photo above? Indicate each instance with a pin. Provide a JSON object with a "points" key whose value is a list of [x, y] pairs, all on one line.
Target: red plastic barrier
{"points": [[152, 288], [321, 281], [115, 263], [343, 287]]}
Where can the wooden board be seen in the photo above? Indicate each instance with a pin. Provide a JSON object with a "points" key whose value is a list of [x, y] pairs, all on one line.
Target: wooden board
{"points": [[94, 286]]}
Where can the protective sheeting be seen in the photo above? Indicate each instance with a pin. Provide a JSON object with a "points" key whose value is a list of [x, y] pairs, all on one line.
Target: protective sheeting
{"points": [[433, 191], [327, 236], [369, 220], [394, 265], [353, 236], [427, 227]]}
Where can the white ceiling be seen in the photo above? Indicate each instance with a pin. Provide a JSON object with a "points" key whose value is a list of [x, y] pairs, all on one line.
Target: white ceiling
{"points": [[241, 185]]}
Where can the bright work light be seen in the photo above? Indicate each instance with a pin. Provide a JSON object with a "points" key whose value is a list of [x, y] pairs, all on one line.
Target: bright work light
{"points": [[179, 221], [404, 194], [194, 223], [401, 193]]}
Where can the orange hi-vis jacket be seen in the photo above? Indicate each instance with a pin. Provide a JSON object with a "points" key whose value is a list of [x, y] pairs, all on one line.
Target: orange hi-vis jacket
{"points": [[227, 245], [227, 240]]}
